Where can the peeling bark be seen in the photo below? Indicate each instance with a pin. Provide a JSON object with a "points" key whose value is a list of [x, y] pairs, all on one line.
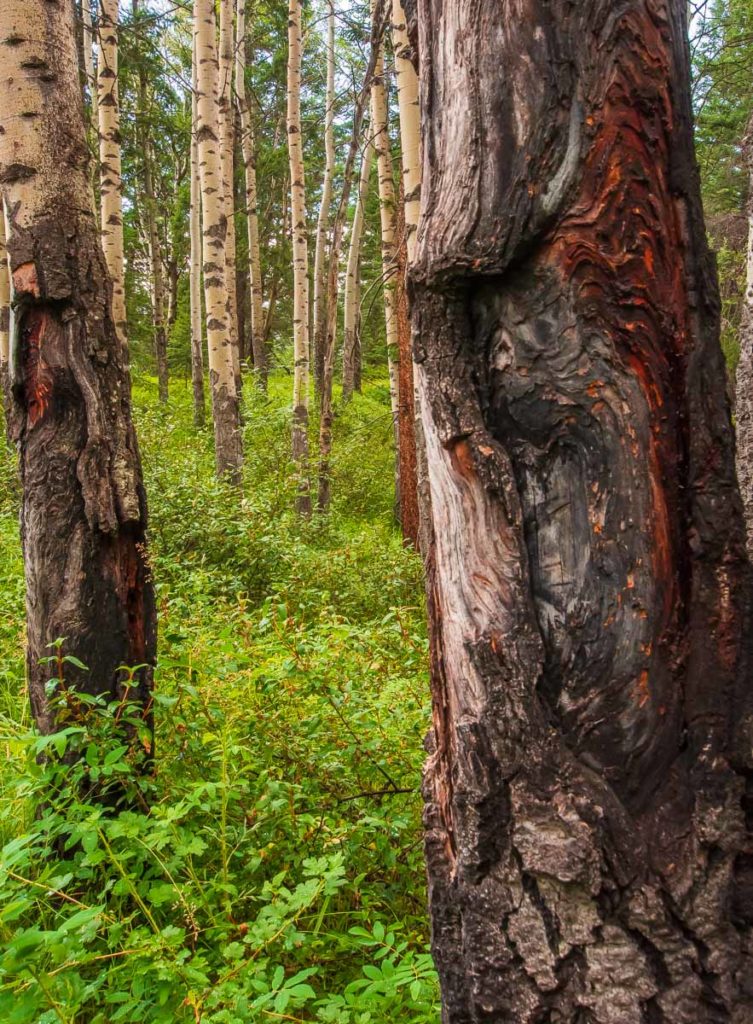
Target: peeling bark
{"points": [[83, 515], [588, 851]]}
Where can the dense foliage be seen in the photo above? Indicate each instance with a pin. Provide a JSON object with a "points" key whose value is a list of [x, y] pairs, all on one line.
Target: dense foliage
{"points": [[269, 867]]}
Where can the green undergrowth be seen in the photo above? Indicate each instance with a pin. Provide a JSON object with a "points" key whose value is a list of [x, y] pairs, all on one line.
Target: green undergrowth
{"points": [[269, 866]]}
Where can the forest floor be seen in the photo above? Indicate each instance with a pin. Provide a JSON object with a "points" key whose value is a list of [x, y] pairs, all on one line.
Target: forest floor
{"points": [[271, 868]]}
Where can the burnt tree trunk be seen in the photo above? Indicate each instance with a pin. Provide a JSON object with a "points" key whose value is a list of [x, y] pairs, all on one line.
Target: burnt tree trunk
{"points": [[83, 515], [588, 853]]}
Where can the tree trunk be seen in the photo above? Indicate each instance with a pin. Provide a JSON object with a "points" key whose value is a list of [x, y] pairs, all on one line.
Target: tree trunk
{"points": [[406, 429], [333, 272], [4, 306], [351, 341], [744, 382], [83, 515], [589, 591], [320, 257], [89, 69], [153, 239], [300, 262], [227, 436], [248, 147], [387, 211], [111, 189], [410, 195], [194, 279], [227, 152]]}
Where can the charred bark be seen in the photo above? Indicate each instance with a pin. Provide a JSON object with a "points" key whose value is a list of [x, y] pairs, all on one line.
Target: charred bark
{"points": [[406, 407], [83, 515], [588, 853]]}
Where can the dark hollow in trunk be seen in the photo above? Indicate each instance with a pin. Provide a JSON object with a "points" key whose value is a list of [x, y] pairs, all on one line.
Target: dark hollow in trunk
{"points": [[590, 765]]}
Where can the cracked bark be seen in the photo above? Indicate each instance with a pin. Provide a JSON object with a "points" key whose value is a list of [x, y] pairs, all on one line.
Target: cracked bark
{"points": [[590, 769], [83, 514]]}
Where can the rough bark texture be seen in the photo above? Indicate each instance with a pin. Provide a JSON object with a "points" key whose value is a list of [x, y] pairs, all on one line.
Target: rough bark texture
{"points": [[194, 270], [301, 354], [111, 189], [248, 148], [351, 339], [83, 515], [744, 382], [588, 852], [222, 378]]}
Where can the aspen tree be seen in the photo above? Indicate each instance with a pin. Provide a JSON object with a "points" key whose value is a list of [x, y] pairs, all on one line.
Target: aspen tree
{"points": [[4, 305], [111, 188], [301, 353], [248, 149], [588, 828], [407, 98], [351, 342], [154, 244], [228, 445], [83, 511], [387, 214], [322, 225], [89, 69], [227, 155], [194, 271], [338, 226]]}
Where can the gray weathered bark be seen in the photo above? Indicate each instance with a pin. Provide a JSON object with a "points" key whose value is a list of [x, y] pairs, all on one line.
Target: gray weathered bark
{"points": [[744, 379], [588, 852]]}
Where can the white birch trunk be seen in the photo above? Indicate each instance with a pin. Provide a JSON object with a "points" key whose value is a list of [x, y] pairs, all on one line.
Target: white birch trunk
{"points": [[248, 148], [111, 194], [228, 448], [300, 261], [227, 150], [407, 98], [380, 128], [320, 270], [194, 278], [353, 278]]}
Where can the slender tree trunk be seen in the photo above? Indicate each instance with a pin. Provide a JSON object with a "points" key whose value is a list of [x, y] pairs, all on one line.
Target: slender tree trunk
{"points": [[89, 69], [4, 306], [744, 383], [387, 208], [333, 272], [351, 341], [153, 239], [409, 428], [227, 436], [300, 262], [111, 189], [227, 152], [320, 257], [406, 431], [83, 515], [589, 591], [194, 279], [248, 145]]}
